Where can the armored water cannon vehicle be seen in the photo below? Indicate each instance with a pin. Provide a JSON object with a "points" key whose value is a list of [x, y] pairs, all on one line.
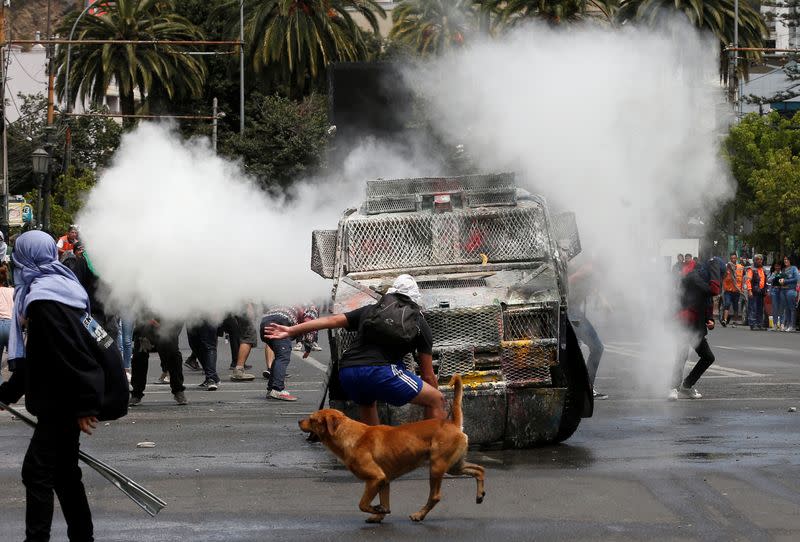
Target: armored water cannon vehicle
{"points": [[490, 262]]}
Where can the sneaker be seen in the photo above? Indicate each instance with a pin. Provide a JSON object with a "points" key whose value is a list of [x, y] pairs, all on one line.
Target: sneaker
{"points": [[193, 364], [689, 393], [163, 379], [724, 323], [599, 395], [240, 376], [316, 348], [134, 401], [789, 329], [266, 374], [180, 398], [212, 386], [281, 395], [733, 326], [298, 346], [204, 383], [673, 395]]}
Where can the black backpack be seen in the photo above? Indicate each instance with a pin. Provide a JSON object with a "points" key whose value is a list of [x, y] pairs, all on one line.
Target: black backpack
{"points": [[393, 321]]}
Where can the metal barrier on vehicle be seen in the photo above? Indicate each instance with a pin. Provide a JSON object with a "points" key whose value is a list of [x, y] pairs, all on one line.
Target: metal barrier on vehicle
{"points": [[458, 237], [323, 252]]}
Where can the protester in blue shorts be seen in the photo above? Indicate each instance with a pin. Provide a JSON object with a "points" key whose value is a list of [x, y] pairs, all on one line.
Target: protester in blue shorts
{"points": [[371, 372]]}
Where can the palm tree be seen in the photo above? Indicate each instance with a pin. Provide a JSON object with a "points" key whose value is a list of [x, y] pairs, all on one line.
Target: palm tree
{"points": [[432, 27], [554, 12], [93, 68], [716, 16], [301, 37]]}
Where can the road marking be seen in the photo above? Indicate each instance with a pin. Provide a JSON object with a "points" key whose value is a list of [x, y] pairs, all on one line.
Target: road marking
{"points": [[719, 370], [316, 364]]}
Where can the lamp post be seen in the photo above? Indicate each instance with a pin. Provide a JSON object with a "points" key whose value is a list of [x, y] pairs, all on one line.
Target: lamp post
{"points": [[41, 166]]}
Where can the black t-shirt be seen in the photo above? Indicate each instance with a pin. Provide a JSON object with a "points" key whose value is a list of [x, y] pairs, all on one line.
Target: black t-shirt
{"points": [[364, 352]]}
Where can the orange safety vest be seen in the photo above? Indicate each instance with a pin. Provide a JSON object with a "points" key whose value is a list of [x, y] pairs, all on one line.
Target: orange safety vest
{"points": [[728, 283], [762, 279]]}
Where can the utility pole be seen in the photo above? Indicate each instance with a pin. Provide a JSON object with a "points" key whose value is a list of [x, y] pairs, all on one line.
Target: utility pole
{"points": [[4, 51], [214, 125], [241, 66], [48, 179]]}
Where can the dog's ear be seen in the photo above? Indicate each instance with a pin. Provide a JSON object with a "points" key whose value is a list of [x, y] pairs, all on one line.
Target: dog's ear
{"points": [[332, 423]]}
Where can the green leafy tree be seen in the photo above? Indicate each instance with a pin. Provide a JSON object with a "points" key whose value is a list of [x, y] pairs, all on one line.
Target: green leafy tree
{"points": [[777, 194], [716, 16], [298, 38], [93, 68], [432, 27], [763, 154], [283, 141], [69, 196], [94, 141]]}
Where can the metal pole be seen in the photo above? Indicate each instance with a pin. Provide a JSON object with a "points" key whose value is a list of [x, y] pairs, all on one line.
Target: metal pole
{"points": [[69, 51], [241, 66], [736, 55], [6, 50], [214, 126]]}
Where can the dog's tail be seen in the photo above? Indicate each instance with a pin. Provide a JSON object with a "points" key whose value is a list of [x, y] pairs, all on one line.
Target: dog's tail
{"points": [[458, 417]]}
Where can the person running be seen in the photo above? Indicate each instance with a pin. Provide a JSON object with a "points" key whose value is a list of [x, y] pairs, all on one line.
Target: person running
{"points": [[756, 283], [71, 375], [732, 290], [370, 371], [788, 288], [286, 317], [698, 287]]}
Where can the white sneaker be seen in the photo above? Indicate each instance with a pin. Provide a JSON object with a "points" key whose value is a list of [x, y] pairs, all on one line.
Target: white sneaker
{"points": [[163, 379], [316, 348], [298, 346], [689, 393], [281, 395], [673, 395]]}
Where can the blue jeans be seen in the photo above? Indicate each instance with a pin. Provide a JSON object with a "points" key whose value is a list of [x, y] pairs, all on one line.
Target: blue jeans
{"points": [[777, 305], [203, 341], [126, 341], [789, 303], [5, 330], [283, 353], [730, 300], [755, 306]]}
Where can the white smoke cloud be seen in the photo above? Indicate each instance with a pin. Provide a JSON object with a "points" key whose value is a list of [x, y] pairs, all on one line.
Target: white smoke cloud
{"points": [[621, 126], [173, 228]]}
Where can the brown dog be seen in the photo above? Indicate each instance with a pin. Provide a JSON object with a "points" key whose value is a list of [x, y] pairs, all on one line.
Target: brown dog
{"points": [[379, 454]]}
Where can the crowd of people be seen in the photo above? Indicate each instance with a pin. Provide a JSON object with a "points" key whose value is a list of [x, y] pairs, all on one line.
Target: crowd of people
{"points": [[761, 297], [137, 337]]}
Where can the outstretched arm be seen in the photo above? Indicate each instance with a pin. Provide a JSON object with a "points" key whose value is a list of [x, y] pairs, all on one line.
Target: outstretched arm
{"points": [[276, 331]]}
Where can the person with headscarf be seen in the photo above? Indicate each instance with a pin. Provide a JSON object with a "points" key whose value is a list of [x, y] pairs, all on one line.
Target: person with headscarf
{"points": [[371, 370], [71, 375], [3, 248], [699, 284]]}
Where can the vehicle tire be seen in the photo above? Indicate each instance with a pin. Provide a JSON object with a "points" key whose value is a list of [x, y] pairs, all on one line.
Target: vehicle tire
{"points": [[571, 374]]}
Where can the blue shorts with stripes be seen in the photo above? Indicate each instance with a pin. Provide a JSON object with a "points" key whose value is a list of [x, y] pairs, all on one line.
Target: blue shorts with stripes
{"points": [[391, 384]]}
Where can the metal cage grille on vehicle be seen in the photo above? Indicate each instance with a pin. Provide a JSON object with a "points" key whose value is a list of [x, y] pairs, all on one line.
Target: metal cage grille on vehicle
{"points": [[459, 237]]}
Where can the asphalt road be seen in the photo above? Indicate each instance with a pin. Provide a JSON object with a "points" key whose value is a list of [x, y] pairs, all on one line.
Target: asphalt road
{"points": [[233, 466]]}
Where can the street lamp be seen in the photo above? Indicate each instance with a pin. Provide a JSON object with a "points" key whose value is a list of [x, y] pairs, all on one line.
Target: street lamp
{"points": [[41, 167], [41, 161]]}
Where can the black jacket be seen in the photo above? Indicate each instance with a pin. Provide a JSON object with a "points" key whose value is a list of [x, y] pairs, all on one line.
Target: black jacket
{"points": [[66, 373]]}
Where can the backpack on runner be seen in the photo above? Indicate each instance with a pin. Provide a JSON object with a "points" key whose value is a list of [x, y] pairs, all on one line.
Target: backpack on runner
{"points": [[393, 321]]}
